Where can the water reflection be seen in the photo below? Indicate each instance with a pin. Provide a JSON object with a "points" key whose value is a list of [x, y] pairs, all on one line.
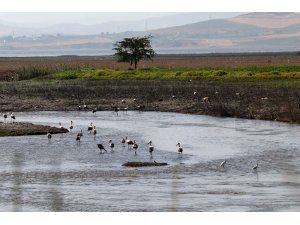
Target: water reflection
{"points": [[17, 161], [55, 185], [174, 191]]}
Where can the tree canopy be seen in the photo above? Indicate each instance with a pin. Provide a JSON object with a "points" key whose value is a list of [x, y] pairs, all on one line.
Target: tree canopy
{"points": [[134, 49]]}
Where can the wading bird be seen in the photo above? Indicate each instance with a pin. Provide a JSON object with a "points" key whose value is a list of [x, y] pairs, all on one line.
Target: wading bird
{"points": [[129, 142], [90, 128], [116, 110], [5, 117], [151, 148], [49, 136], [78, 138], [13, 117], [180, 150], [135, 147], [80, 134], [111, 145], [60, 126], [94, 130], [223, 163], [101, 147], [79, 107], [94, 111], [256, 166], [71, 127], [123, 141], [85, 106]]}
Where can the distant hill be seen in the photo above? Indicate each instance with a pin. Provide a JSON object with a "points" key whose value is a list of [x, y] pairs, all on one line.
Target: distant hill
{"points": [[251, 32], [268, 19], [248, 32]]}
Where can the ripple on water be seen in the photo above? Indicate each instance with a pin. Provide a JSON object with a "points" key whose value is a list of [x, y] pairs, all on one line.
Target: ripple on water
{"points": [[65, 176]]}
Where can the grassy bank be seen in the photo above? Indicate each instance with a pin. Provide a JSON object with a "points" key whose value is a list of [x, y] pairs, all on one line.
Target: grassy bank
{"points": [[270, 75], [267, 92]]}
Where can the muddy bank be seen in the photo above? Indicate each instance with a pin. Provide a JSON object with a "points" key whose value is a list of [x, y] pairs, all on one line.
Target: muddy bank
{"points": [[19, 129], [242, 100], [143, 164]]}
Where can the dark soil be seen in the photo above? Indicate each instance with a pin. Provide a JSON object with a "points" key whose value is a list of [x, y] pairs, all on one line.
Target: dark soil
{"points": [[242, 100], [143, 164]]}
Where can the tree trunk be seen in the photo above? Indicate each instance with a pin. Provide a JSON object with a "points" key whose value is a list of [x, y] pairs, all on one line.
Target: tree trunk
{"points": [[135, 64]]}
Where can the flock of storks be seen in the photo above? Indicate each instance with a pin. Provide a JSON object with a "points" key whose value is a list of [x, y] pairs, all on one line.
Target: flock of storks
{"points": [[131, 144]]}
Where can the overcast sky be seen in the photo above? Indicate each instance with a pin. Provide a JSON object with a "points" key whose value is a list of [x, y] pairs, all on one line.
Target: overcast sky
{"points": [[88, 18]]}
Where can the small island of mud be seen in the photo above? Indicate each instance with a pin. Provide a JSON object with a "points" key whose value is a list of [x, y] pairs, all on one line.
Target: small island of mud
{"points": [[20, 129], [143, 164]]}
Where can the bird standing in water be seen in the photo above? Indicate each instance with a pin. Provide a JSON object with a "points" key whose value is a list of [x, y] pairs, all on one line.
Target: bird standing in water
{"points": [[101, 147], [180, 150], [135, 147], [151, 148], [223, 163], [255, 167], [123, 141], [111, 145], [71, 127]]}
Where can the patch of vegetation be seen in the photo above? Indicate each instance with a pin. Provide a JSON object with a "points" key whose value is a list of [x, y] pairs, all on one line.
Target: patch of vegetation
{"points": [[280, 74]]}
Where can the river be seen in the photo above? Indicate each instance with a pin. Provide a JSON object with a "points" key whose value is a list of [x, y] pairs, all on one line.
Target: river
{"points": [[60, 174]]}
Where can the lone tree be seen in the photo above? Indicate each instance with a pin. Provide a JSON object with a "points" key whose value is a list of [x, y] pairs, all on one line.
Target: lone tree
{"points": [[134, 49]]}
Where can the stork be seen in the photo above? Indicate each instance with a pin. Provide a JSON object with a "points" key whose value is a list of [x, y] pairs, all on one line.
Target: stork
{"points": [[80, 134], [123, 141], [5, 117], [111, 145], [180, 150], [94, 131], [94, 111], [129, 142], [13, 117], [85, 106], [90, 128], [116, 110], [101, 147], [78, 138], [71, 127], [151, 148], [60, 126], [135, 147], [255, 167], [222, 164]]}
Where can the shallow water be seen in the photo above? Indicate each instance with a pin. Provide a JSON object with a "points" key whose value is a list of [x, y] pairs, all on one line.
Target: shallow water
{"points": [[61, 175]]}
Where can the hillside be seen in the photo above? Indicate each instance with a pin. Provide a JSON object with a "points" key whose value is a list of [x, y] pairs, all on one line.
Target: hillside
{"points": [[268, 19], [251, 32]]}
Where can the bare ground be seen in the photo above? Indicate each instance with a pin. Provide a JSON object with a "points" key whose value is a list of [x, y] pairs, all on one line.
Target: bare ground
{"points": [[18, 129], [251, 101]]}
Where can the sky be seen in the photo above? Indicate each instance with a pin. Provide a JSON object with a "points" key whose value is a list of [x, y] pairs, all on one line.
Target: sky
{"points": [[31, 11], [86, 18]]}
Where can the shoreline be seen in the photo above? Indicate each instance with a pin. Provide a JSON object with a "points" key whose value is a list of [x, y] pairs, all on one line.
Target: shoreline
{"points": [[225, 100], [274, 100], [22, 129]]}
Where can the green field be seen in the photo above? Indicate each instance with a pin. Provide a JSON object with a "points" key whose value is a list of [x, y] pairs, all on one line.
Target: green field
{"points": [[275, 75]]}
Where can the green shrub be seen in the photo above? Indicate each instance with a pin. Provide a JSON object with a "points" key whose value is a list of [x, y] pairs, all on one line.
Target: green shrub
{"points": [[220, 73]]}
